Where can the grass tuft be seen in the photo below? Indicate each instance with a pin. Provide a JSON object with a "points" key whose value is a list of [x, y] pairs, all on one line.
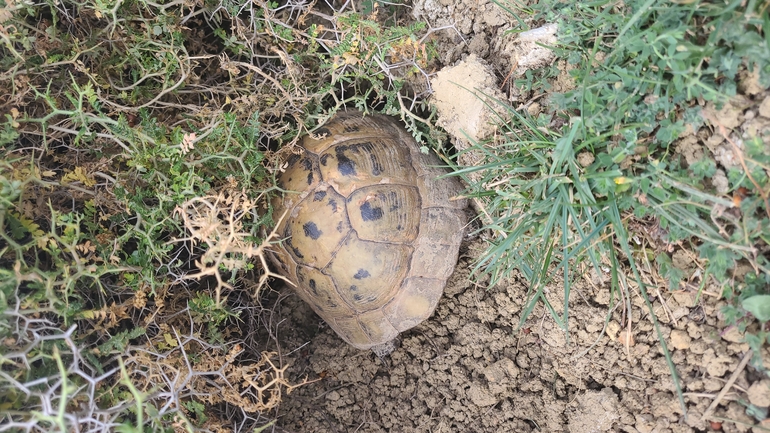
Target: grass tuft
{"points": [[569, 190]]}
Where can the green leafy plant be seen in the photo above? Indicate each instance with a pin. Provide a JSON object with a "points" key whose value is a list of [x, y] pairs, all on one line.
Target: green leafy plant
{"points": [[638, 83], [553, 216], [564, 199], [759, 306]]}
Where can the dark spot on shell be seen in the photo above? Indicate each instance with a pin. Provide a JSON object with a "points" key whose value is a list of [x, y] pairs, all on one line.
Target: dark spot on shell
{"points": [[399, 228], [353, 288], [345, 165], [312, 285], [376, 164], [333, 204], [323, 132], [307, 164], [351, 127], [358, 297], [319, 195], [324, 159], [293, 159], [362, 273], [293, 248], [339, 226], [393, 196], [311, 230], [369, 213]]}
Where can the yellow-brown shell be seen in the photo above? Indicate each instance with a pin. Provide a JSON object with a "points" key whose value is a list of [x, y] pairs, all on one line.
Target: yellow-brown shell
{"points": [[371, 234]]}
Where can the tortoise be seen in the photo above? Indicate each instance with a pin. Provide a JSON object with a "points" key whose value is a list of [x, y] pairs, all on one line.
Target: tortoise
{"points": [[372, 232]]}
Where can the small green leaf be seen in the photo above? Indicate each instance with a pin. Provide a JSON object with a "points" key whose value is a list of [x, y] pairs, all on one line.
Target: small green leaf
{"points": [[758, 413], [704, 168], [759, 306]]}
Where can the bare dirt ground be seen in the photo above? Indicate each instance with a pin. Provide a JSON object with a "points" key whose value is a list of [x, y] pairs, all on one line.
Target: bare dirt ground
{"points": [[469, 369]]}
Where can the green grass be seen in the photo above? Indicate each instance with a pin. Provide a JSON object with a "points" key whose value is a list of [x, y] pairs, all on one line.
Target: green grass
{"points": [[644, 72]]}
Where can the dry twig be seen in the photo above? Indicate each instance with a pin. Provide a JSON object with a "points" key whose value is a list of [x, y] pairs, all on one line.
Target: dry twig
{"points": [[727, 386]]}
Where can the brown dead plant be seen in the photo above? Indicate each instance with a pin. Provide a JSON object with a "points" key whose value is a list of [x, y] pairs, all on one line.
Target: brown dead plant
{"points": [[179, 373], [217, 222]]}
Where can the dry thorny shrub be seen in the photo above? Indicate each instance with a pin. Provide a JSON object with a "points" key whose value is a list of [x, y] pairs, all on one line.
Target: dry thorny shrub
{"points": [[214, 378], [217, 222], [77, 139]]}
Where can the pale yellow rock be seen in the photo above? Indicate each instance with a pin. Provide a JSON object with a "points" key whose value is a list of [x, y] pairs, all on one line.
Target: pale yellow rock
{"points": [[718, 366], [759, 393], [480, 396], [503, 371], [749, 83], [680, 340], [461, 93], [685, 299], [644, 423], [733, 335], [728, 116]]}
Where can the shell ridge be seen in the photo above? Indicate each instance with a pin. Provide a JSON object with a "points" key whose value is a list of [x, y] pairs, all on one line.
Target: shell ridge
{"points": [[326, 271]]}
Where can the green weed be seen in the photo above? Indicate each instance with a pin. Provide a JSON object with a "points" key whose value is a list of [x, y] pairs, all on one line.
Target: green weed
{"points": [[568, 198]]}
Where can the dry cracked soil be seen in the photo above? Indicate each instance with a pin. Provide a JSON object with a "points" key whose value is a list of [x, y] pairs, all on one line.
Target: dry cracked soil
{"points": [[467, 369]]}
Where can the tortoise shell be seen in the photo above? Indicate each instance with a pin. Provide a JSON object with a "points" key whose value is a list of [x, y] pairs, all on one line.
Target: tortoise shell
{"points": [[372, 233]]}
